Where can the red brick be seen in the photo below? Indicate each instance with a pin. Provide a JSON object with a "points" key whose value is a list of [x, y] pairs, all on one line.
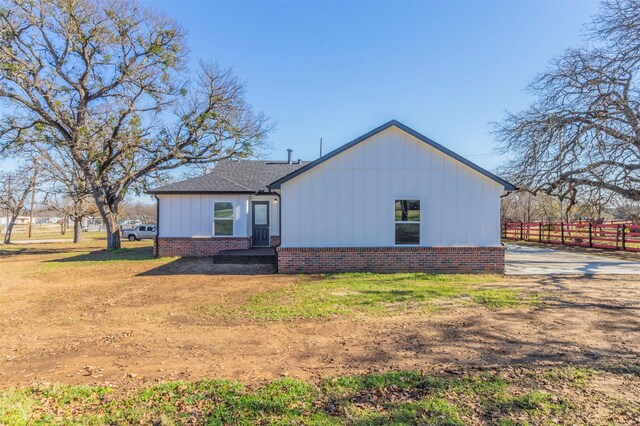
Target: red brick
{"points": [[391, 259], [200, 247]]}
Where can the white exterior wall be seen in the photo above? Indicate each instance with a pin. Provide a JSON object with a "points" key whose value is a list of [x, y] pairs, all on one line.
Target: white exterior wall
{"points": [[348, 201], [191, 215]]}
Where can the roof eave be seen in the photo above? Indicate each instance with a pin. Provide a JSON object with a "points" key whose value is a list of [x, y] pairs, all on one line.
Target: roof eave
{"points": [[154, 192]]}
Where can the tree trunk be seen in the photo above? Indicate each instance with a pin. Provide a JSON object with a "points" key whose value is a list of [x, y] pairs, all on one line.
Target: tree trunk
{"points": [[113, 231], [7, 234], [78, 237], [109, 216]]}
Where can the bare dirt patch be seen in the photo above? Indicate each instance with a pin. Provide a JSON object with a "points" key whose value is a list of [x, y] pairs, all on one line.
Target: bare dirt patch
{"points": [[116, 322]]}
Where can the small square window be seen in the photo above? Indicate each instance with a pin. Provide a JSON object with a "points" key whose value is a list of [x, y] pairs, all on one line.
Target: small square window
{"points": [[223, 210], [407, 210], [224, 227], [223, 219], [407, 222]]}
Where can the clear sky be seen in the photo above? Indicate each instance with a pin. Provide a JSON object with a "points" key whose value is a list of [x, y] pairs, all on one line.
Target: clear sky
{"points": [[339, 69]]}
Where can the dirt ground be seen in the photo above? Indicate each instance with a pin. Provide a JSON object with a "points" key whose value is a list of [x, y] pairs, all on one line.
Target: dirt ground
{"points": [[131, 323]]}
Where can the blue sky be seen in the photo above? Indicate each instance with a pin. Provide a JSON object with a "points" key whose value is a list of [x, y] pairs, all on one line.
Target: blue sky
{"points": [[338, 69]]}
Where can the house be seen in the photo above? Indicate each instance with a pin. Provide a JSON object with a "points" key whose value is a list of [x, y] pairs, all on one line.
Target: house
{"points": [[390, 200]]}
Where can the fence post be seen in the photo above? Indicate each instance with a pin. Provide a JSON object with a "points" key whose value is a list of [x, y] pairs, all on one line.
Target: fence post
{"points": [[540, 232], [562, 233], [521, 233], [590, 240], [624, 240]]}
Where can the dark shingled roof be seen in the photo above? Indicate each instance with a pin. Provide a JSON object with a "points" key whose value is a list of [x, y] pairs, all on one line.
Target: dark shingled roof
{"points": [[247, 176]]}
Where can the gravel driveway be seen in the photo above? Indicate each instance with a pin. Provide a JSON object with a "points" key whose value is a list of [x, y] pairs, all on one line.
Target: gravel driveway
{"points": [[528, 260]]}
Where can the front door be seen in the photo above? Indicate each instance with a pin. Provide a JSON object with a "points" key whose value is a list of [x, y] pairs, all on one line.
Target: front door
{"points": [[260, 224]]}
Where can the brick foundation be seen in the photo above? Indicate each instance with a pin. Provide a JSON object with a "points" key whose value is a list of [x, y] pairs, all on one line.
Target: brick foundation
{"points": [[274, 240], [200, 247], [391, 259]]}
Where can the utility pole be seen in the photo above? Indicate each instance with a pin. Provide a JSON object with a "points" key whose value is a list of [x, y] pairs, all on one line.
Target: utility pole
{"points": [[8, 206], [33, 196]]}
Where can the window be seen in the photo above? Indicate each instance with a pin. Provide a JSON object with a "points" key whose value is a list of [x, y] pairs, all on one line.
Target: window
{"points": [[223, 219], [141, 228], [407, 218]]}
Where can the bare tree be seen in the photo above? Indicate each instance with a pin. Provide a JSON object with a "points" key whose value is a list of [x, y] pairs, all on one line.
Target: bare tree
{"points": [[593, 205], [106, 81], [67, 190], [73, 207], [144, 212], [15, 188], [583, 131]]}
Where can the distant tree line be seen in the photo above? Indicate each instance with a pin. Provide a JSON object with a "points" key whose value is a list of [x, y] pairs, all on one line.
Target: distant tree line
{"points": [[596, 207]]}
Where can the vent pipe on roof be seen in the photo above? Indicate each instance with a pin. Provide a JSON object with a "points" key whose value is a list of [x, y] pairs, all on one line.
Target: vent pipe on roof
{"points": [[289, 151]]}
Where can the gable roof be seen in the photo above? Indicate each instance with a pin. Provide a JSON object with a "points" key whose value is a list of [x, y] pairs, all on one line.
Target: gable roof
{"points": [[228, 176], [393, 123]]}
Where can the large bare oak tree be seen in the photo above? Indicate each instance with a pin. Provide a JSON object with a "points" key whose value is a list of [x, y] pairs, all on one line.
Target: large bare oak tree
{"points": [[583, 130], [107, 81]]}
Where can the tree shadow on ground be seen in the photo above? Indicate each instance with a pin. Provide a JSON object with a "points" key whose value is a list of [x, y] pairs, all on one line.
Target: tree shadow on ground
{"points": [[205, 266], [579, 323], [10, 251], [136, 253]]}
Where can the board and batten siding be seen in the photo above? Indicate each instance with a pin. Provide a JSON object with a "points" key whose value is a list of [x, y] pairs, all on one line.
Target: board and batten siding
{"points": [[348, 200], [191, 215]]}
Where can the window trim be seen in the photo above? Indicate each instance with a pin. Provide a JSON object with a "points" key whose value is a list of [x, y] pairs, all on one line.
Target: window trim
{"points": [[232, 219], [407, 222]]}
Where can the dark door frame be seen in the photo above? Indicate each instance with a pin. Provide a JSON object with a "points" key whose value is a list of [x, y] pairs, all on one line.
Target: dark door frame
{"points": [[253, 223]]}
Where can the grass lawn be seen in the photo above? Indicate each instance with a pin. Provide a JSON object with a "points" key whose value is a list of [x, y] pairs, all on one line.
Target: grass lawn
{"points": [[93, 244], [48, 232], [372, 294], [91, 336], [522, 397]]}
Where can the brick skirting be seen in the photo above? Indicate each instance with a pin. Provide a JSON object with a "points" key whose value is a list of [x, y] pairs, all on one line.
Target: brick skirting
{"points": [[200, 247], [391, 259], [274, 240]]}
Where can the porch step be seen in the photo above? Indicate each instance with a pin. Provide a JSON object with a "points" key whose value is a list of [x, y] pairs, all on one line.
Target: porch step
{"points": [[254, 256]]}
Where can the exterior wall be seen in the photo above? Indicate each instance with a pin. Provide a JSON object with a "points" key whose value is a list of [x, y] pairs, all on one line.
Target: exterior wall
{"points": [[348, 201], [391, 259], [199, 247], [186, 224], [274, 240], [191, 215]]}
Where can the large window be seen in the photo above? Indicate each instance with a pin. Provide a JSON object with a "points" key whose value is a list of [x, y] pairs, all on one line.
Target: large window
{"points": [[407, 217], [223, 219]]}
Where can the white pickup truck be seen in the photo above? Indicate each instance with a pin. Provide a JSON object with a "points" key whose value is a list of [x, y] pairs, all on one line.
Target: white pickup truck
{"points": [[140, 232]]}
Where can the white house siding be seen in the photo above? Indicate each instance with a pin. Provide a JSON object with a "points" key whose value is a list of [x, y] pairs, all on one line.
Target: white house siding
{"points": [[348, 201], [191, 215]]}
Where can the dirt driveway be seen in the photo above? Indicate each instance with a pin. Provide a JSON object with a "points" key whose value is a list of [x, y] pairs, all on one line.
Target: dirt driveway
{"points": [[536, 260], [128, 323]]}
